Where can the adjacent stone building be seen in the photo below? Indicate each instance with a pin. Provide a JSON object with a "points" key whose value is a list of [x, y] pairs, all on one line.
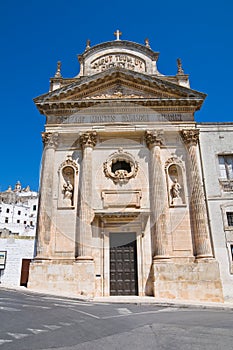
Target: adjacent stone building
{"points": [[217, 163], [123, 207]]}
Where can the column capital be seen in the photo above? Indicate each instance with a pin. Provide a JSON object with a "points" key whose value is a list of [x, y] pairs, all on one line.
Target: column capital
{"points": [[190, 136], [154, 138], [88, 138], [50, 139]]}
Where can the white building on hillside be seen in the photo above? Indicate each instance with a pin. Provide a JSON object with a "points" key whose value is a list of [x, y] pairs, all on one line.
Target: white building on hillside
{"points": [[18, 215]]}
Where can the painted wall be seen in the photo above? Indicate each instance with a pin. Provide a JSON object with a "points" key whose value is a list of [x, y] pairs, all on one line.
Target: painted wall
{"points": [[17, 248]]}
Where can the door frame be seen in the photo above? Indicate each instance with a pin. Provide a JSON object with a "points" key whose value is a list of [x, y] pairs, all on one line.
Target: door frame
{"points": [[121, 224]]}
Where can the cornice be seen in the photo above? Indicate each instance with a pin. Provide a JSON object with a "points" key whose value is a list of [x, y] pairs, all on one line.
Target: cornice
{"points": [[71, 107], [118, 75], [120, 44], [144, 90]]}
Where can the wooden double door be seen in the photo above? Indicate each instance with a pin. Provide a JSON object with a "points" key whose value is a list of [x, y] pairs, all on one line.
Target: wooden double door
{"points": [[123, 264]]}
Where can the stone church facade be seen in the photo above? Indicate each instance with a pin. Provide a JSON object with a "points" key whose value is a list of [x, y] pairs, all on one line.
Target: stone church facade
{"points": [[122, 208]]}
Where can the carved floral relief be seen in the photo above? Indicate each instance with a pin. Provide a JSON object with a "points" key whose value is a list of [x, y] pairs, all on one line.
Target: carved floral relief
{"points": [[120, 167]]}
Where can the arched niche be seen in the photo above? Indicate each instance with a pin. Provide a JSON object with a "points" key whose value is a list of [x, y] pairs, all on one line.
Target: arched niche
{"points": [[68, 186], [175, 181], [68, 183]]}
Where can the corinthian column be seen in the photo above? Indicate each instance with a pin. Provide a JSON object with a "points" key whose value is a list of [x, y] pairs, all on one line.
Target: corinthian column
{"points": [[158, 195], [44, 225], [201, 237], [87, 141]]}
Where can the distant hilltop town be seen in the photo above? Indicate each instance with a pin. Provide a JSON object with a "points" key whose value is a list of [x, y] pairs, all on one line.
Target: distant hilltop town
{"points": [[18, 211]]}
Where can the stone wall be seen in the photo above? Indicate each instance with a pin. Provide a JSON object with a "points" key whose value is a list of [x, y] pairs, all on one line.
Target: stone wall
{"points": [[215, 141]]}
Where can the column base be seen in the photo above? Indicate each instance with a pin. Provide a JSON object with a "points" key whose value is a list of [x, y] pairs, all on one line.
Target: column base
{"points": [[161, 258], [203, 256], [196, 281], [68, 277], [84, 258]]}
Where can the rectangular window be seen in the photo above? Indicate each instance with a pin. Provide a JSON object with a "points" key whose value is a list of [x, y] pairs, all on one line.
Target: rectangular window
{"points": [[230, 218], [25, 222], [6, 220], [232, 251], [18, 221], [226, 166], [19, 212], [34, 207], [7, 210]]}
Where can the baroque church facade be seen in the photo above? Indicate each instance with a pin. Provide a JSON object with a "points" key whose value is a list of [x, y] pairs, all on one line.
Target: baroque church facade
{"points": [[123, 207]]}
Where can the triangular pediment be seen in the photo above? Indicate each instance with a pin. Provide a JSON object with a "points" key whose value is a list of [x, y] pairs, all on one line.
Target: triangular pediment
{"points": [[121, 90], [118, 84]]}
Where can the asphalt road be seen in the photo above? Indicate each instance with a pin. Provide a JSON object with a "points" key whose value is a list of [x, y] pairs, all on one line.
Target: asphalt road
{"points": [[31, 321]]}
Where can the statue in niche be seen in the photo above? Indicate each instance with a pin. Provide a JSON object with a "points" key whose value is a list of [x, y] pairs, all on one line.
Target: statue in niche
{"points": [[67, 176], [175, 192], [68, 193]]}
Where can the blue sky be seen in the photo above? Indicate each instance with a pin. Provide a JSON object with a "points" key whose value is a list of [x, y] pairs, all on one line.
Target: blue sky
{"points": [[36, 34]]}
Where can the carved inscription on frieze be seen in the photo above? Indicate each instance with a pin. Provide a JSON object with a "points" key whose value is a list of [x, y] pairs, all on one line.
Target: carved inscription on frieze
{"points": [[127, 118], [118, 60]]}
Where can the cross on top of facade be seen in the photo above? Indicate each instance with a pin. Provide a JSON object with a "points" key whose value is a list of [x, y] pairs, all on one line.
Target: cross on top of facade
{"points": [[117, 34]]}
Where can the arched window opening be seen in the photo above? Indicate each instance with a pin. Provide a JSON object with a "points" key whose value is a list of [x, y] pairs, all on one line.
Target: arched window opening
{"points": [[121, 165]]}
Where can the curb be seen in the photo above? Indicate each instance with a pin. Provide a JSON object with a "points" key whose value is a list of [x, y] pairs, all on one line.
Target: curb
{"points": [[125, 300]]}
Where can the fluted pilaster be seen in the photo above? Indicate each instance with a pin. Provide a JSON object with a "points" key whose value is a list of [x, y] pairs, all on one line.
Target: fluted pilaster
{"points": [[158, 198], [203, 248], [44, 227], [87, 141]]}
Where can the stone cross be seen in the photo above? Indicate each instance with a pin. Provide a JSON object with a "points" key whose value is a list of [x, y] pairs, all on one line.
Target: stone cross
{"points": [[117, 34]]}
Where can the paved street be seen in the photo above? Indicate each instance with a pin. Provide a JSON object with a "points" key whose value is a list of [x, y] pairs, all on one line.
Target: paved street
{"points": [[34, 321]]}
